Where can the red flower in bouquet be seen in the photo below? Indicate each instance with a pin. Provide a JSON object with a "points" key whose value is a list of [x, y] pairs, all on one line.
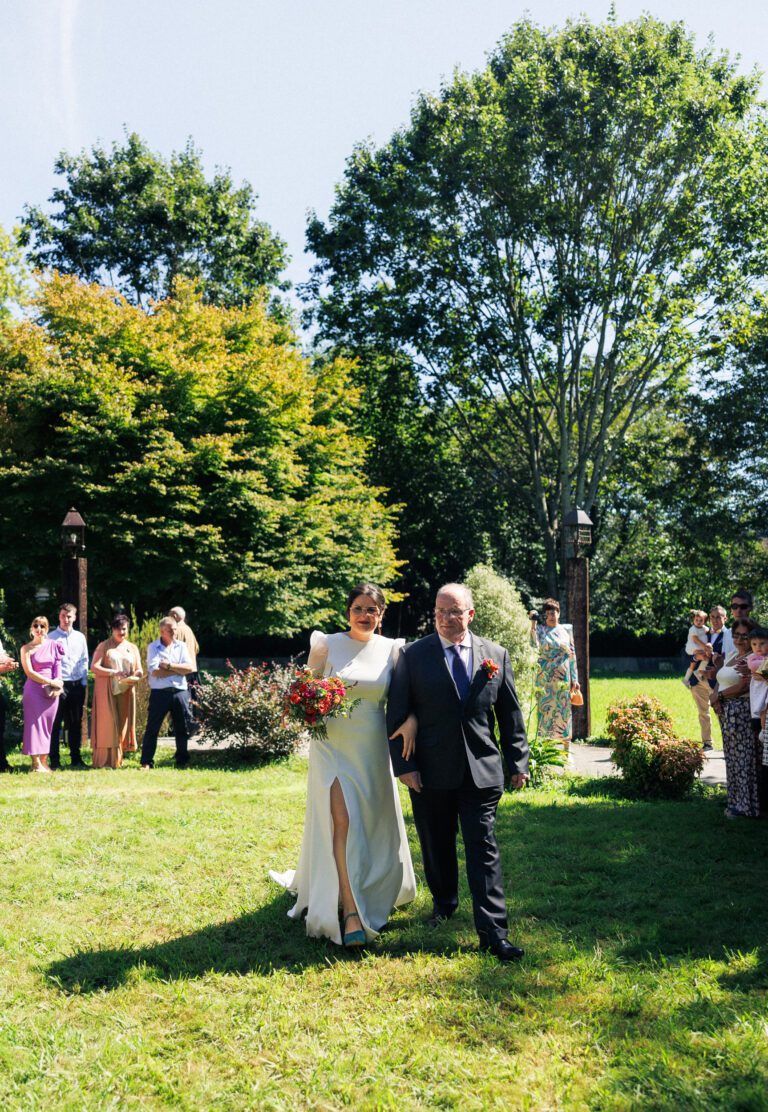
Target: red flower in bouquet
{"points": [[490, 667], [312, 700]]}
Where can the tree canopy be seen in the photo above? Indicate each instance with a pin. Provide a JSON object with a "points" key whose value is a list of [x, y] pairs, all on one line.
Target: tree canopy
{"points": [[209, 458], [547, 241], [128, 218]]}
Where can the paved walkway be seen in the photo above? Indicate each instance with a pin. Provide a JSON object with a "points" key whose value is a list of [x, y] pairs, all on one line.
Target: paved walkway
{"points": [[594, 760], [588, 760]]}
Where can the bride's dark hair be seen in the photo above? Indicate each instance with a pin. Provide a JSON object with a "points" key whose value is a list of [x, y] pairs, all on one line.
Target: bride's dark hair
{"points": [[373, 592]]}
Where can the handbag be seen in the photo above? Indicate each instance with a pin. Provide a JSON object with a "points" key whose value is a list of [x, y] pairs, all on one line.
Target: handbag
{"points": [[577, 699]]}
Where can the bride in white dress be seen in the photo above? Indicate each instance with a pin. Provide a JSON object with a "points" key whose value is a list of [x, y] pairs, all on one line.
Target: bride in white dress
{"points": [[354, 854]]}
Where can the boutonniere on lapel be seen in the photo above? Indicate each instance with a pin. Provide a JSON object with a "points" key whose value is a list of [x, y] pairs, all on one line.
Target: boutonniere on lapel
{"points": [[490, 667]]}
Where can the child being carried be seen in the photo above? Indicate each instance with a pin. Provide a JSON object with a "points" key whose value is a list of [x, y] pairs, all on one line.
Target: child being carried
{"points": [[698, 639]]}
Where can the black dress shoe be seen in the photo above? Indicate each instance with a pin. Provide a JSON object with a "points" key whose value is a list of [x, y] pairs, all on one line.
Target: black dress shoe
{"points": [[504, 950], [79, 765], [437, 918]]}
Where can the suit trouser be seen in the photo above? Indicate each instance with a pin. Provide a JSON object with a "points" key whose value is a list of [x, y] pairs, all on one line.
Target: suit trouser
{"points": [[437, 814], [701, 693], [69, 713], [162, 701]]}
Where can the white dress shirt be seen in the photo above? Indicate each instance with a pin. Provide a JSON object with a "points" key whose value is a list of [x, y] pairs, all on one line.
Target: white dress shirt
{"points": [[175, 653]]}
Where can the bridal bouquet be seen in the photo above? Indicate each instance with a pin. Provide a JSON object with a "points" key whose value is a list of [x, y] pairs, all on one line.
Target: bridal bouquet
{"points": [[312, 700]]}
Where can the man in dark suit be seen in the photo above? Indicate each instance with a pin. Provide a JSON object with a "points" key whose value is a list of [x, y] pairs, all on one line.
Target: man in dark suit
{"points": [[457, 685]]}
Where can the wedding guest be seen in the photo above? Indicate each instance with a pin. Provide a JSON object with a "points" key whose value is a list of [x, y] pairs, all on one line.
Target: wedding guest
{"points": [[701, 691], [116, 674], [41, 661], [742, 602], [168, 665], [556, 678], [740, 746], [7, 664], [184, 633], [74, 673]]}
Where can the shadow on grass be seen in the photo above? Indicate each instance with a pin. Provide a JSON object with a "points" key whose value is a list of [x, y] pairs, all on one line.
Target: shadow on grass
{"points": [[261, 942], [654, 878]]}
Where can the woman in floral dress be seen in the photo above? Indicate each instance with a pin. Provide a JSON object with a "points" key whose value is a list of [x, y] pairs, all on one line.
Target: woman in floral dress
{"points": [[556, 677], [741, 749]]}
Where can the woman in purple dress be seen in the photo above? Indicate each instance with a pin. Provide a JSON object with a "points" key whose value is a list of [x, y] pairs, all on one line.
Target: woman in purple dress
{"points": [[41, 661]]}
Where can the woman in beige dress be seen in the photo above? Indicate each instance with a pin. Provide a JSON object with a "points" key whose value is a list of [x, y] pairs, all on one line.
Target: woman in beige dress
{"points": [[116, 672]]}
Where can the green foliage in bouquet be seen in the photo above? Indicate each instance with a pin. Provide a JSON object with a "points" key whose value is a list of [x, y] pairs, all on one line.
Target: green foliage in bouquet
{"points": [[652, 759], [246, 710]]}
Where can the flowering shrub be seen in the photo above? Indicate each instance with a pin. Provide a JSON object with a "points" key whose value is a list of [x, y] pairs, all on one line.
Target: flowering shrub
{"points": [[246, 710], [653, 760]]}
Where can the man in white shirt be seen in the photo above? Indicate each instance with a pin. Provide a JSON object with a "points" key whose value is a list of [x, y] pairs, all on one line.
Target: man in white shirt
{"points": [[7, 664], [168, 665], [186, 634], [74, 673]]}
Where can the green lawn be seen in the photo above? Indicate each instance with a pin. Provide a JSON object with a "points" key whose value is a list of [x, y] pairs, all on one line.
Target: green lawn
{"points": [[668, 690], [147, 961]]}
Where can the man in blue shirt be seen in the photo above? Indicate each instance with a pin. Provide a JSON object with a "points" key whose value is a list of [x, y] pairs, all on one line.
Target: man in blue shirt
{"points": [[74, 673], [168, 665]]}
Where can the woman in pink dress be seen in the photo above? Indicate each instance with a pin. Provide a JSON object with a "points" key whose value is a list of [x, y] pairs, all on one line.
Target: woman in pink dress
{"points": [[41, 661]]}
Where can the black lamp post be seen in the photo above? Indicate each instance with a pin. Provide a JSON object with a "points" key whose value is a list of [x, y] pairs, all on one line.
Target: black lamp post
{"points": [[577, 527], [74, 567], [74, 578]]}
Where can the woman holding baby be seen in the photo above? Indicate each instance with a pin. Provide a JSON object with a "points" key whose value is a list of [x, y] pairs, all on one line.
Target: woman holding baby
{"points": [[740, 747]]}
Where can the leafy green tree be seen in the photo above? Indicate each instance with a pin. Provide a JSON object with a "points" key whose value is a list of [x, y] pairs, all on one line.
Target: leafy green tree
{"points": [[128, 218], [206, 454], [502, 617], [453, 512], [677, 525], [13, 276], [547, 242]]}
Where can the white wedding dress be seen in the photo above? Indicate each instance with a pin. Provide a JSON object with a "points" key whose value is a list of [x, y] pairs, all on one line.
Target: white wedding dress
{"points": [[357, 752]]}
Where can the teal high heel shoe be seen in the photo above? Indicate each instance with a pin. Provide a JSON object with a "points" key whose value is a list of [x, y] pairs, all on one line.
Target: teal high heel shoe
{"points": [[352, 938]]}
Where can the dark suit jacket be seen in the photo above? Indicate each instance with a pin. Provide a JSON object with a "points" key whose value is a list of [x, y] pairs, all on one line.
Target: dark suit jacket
{"points": [[453, 735]]}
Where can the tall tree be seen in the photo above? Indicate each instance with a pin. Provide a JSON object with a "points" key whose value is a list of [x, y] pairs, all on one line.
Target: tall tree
{"points": [[547, 240], [206, 454], [13, 274], [128, 218]]}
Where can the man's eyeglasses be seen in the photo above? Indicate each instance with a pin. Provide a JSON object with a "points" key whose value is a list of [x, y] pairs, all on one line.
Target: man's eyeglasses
{"points": [[369, 611], [740, 606], [440, 613]]}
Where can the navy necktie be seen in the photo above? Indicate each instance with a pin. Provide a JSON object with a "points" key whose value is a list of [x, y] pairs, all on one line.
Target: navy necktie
{"points": [[460, 677]]}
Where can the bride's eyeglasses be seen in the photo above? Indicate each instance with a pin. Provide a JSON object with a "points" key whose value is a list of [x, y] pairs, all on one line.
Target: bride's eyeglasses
{"points": [[368, 611]]}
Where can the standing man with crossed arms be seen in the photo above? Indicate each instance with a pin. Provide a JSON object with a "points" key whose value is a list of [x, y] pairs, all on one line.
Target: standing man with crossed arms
{"points": [[74, 673], [460, 687]]}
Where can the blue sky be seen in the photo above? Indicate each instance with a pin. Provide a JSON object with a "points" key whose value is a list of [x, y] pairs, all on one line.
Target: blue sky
{"points": [[278, 91]]}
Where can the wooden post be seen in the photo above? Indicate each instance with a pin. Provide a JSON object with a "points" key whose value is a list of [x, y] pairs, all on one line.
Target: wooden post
{"points": [[74, 582], [577, 604]]}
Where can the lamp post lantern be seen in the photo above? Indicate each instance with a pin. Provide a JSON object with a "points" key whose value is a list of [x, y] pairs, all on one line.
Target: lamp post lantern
{"points": [[577, 528]]}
